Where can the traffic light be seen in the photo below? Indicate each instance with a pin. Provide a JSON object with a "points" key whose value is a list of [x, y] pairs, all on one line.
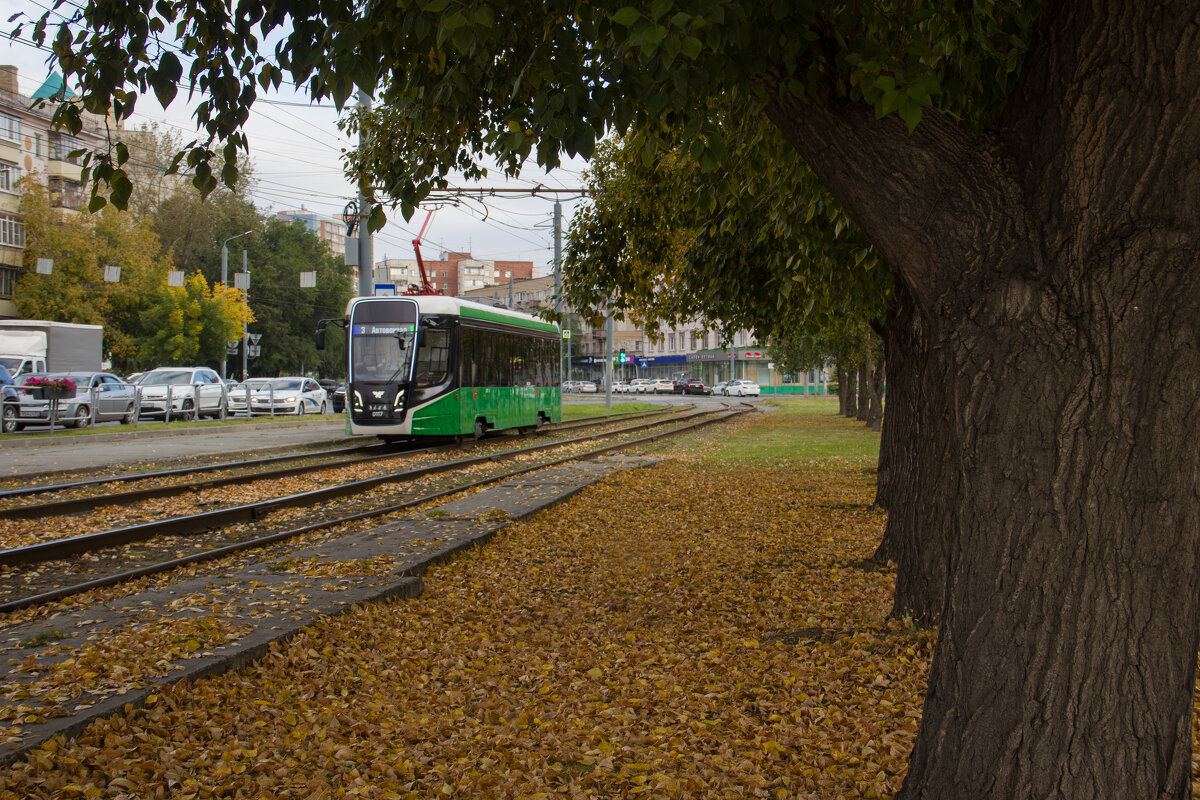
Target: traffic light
{"points": [[624, 358]]}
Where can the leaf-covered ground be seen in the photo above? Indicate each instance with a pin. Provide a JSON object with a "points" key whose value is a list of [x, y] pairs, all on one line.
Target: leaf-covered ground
{"points": [[695, 629]]}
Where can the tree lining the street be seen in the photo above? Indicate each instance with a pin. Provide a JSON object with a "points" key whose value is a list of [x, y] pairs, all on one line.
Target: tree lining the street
{"points": [[1027, 172]]}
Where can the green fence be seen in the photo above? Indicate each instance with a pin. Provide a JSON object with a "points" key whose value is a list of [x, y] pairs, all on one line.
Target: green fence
{"points": [[797, 390]]}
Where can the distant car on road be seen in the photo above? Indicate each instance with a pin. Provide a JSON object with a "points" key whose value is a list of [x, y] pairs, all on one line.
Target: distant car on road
{"points": [[719, 388], [293, 395], [693, 386], [640, 385], [588, 387], [663, 386], [620, 387], [742, 389], [337, 399]]}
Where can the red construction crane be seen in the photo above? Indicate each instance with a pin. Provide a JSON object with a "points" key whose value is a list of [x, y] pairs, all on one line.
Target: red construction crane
{"points": [[425, 287]]}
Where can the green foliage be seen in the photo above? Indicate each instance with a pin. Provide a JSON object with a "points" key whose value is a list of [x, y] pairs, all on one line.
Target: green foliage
{"points": [[755, 244], [287, 315], [460, 82], [188, 325], [80, 246]]}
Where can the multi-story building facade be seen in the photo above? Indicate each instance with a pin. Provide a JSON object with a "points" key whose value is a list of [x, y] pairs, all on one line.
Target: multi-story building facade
{"points": [[329, 230], [523, 295], [452, 273], [30, 146], [695, 351]]}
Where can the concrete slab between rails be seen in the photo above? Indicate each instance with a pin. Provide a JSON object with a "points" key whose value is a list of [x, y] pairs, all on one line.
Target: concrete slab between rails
{"points": [[280, 598]]}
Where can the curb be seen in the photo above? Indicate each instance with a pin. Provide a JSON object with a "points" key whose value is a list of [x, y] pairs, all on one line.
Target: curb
{"points": [[50, 441]]}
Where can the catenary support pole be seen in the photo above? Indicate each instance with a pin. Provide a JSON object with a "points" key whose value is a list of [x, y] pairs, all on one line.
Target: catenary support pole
{"points": [[366, 259]]}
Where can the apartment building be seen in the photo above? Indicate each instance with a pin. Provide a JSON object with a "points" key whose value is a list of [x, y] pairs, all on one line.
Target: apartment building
{"points": [[329, 230], [30, 146], [452, 273]]}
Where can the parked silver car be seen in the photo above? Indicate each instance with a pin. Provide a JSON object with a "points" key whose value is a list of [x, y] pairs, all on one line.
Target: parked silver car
{"points": [[99, 397], [193, 391]]}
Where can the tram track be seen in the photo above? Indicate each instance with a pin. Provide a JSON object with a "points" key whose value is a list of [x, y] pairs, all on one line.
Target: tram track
{"points": [[210, 531], [369, 454]]}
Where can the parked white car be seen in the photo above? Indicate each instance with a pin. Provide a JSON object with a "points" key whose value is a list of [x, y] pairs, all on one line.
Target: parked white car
{"points": [[662, 386], [294, 395], [640, 385], [193, 391], [742, 389], [588, 387]]}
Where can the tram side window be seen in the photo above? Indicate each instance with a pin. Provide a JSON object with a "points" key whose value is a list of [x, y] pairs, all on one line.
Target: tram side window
{"points": [[495, 358], [468, 360]]}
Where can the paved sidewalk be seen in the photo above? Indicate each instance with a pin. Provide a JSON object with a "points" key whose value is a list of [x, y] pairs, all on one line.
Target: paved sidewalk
{"points": [[263, 603], [30, 456]]}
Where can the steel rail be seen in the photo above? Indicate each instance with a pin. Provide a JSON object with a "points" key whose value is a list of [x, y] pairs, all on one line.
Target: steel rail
{"points": [[193, 523], [59, 487], [77, 504], [262, 541]]}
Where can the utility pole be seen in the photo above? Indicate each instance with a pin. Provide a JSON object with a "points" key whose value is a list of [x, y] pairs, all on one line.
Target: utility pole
{"points": [[557, 279], [366, 258], [246, 328], [225, 280], [608, 365]]}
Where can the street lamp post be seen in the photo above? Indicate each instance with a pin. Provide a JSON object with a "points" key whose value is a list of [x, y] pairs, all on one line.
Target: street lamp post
{"points": [[246, 326], [225, 279]]}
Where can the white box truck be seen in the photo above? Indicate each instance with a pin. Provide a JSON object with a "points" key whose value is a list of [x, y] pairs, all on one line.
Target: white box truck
{"points": [[28, 345]]}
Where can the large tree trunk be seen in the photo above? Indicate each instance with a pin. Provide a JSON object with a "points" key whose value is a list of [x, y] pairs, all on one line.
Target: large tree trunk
{"points": [[875, 392], [1057, 258], [864, 391], [915, 484], [849, 390]]}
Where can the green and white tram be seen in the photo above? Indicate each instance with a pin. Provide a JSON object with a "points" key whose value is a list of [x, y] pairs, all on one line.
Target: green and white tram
{"points": [[428, 365]]}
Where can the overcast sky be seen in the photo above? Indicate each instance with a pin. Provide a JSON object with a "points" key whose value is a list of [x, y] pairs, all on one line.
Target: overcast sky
{"points": [[296, 148]]}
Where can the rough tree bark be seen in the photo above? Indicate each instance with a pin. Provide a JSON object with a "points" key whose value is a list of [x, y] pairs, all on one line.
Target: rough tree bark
{"points": [[875, 393], [864, 391], [848, 390], [1055, 256], [914, 485]]}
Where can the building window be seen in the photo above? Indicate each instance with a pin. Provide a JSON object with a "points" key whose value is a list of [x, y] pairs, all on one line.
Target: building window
{"points": [[65, 193], [9, 174], [61, 147], [8, 281], [671, 340], [693, 340], [10, 128], [12, 231]]}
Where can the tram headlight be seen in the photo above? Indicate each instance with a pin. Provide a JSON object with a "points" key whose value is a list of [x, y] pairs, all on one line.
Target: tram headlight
{"points": [[398, 403], [358, 401]]}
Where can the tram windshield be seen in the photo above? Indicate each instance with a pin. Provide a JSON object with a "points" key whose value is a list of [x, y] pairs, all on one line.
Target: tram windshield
{"points": [[381, 341]]}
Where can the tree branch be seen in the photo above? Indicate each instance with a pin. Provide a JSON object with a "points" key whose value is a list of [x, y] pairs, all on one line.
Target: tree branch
{"points": [[924, 200]]}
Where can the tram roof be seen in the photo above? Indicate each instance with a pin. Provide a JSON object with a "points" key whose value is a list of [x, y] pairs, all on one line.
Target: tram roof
{"points": [[440, 304]]}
